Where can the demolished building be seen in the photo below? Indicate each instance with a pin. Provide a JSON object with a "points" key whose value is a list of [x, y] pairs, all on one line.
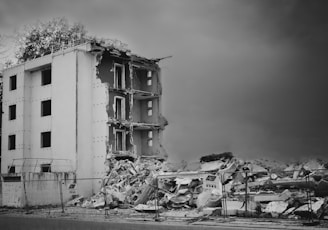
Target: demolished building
{"points": [[66, 113]]}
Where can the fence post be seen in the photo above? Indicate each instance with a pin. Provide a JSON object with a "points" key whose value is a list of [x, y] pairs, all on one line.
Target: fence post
{"points": [[61, 194], [25, 193], [246, 192], [246, 170], [157, 218], [224, 197]]}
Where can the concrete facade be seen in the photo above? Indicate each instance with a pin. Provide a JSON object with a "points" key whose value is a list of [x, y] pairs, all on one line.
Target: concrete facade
{"points": [[101, 102]]}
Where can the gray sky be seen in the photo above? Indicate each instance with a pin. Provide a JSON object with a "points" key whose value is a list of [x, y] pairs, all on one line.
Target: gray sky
{"points": [[246, 76]]}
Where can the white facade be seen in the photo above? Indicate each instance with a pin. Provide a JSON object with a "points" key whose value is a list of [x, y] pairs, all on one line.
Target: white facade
{"points": [[76, 134], [70, 122]]}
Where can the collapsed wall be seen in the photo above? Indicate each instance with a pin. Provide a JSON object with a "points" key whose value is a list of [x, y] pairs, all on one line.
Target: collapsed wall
{"points": [[127, 101], [126, 108]]}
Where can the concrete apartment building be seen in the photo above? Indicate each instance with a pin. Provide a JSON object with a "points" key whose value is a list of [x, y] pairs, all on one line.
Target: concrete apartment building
{"points": [[65, 113]]}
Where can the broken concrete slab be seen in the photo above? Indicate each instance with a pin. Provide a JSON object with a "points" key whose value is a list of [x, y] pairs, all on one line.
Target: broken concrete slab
{"points": [[233, 206], [148, 208], [276, 207], [75, 202], [306, 208]]}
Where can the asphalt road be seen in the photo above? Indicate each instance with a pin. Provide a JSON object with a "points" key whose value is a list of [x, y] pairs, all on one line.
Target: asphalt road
{"points": [[35, 223]]}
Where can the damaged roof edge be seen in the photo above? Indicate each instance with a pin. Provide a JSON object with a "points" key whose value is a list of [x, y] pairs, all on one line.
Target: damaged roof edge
{"points": [[120, 51], [93, 47]]}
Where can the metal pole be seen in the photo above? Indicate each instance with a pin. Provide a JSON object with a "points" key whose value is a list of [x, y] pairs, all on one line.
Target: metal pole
{"points": [[156, 201], [25, 193], [224, 198], [61, 195], [308, 194], [246, 188]]}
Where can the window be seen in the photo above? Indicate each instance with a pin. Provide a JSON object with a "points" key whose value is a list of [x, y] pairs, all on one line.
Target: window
{"points": [[45, 139], [149, 82], [11, 169], [119, 81], [12, 142], [119, 108], [12, 112], [46, 77], [45, 167], [150, 138], [120, 140], [45, 108], [150, 108], [13, 82], [149, 74]]}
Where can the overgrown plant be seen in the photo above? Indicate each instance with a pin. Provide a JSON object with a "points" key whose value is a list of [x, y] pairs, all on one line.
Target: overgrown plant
{"points": [[43, 38]]}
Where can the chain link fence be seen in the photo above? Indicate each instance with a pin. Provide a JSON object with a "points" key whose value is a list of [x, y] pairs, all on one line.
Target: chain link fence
{"points": [[294, 194]]}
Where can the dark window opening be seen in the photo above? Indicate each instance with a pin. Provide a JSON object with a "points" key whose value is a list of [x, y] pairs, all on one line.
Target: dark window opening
{"points": [[211, 178], [13, 82], [46, 77], [118, 108], [12, 142], [46, 168], [119, 77], [12, 112], [11, 179], [119, 141], [72, 186], [45, 139], [45, 108], [11, 169]]}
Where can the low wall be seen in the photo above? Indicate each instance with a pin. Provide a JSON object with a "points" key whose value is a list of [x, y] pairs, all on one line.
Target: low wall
{"points": [[34, 189], [12, 188]]}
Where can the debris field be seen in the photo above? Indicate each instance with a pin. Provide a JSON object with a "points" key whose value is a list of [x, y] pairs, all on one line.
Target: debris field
{"points": [[223, 185]]}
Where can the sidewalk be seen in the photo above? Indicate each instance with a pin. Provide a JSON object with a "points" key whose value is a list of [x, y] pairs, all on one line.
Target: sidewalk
{"points": [[129, 216]]}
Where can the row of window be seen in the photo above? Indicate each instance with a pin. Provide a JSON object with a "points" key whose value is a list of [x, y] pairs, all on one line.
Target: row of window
{"points": [[120, 140], [120, 108], [45, 109], [45, 140], [45, 79], [43, 168], [119, 80]]}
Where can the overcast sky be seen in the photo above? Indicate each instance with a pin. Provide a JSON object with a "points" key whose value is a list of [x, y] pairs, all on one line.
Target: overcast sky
{"points": [[246, 76]]}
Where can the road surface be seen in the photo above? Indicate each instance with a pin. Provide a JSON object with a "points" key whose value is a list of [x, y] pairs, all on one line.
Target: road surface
{"points": [[35, 223]]}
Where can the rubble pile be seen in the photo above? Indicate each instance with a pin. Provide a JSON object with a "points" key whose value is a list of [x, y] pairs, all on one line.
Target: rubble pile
{"points": [[225, 184], [127, 183], [270, 188]]}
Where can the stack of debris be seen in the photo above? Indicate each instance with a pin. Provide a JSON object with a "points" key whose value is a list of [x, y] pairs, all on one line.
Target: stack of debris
{"points": [[259, 187], [126, 184], [224, 183]]}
